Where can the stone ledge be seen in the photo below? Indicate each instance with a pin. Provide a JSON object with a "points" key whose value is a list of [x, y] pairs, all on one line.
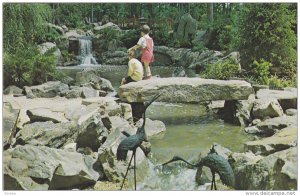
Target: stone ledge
{"points": [[185, 90]]}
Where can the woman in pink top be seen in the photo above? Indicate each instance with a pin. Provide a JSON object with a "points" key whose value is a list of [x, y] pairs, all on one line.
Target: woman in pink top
{"points": [[147, 44]]}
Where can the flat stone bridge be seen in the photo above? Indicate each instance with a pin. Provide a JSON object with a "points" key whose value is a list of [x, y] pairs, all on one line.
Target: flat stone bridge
{"points": [[185, 90]]}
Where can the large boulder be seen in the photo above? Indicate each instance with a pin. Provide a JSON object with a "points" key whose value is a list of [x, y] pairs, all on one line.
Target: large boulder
{"points": [[108, 25], [282, 140], [74, 33], [186, 30], [277, 171], [114, 58], [154, 127], [184, 57], [45, 114], [185, 90], [273, 125], [110, 106], [266, 107], [42, 168], [291, 112], [287, 98], [47, 90], [9, 119], [87, 76], [47, 134], [84, 92], [45, 47], [92, 133], [10, 90], [59, 29]]}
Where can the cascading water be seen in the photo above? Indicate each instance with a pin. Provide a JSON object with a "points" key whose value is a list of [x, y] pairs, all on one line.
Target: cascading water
{"points": [[86, 55]]}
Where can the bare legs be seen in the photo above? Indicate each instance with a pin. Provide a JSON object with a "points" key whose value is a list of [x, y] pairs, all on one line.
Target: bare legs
{"points": [[147, 70]]}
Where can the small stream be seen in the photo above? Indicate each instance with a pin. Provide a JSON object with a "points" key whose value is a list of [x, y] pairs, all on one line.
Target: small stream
{"points": [[190, 131]]}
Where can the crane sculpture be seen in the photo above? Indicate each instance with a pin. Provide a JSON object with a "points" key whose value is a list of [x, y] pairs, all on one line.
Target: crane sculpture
{"points": [[216, 163], [132, 142]]}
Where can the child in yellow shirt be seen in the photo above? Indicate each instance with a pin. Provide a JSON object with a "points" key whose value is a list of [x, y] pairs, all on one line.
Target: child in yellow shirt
{"points": [[135, 69]]}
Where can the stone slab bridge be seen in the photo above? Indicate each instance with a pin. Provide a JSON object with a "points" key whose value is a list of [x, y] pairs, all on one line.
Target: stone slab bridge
{"points": [[185, 90]]}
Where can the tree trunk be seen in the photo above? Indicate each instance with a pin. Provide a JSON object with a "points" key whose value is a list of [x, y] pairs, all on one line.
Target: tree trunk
{"points": [[92, 13], [210, 12]]}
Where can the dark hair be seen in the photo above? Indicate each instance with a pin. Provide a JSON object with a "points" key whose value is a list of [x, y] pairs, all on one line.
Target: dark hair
{"points": [[145, 29]]}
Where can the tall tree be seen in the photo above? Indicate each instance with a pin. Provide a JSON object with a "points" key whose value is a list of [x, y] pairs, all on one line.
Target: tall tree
{"points": [[24, 23], [210, 12], [266, 32]]}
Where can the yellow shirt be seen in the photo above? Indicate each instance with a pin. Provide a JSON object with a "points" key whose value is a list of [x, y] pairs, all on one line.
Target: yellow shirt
{"points": [[135, 69]]}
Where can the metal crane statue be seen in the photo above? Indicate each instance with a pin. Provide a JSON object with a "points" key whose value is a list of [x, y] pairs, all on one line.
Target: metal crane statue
{"points": [[132, 142], [216, 163]]}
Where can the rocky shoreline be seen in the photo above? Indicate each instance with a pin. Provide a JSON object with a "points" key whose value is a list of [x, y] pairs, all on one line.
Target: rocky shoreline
{"points": [[67, 136]]}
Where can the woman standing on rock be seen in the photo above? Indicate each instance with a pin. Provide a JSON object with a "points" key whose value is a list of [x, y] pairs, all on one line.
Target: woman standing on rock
{"points": [[147, 44]]}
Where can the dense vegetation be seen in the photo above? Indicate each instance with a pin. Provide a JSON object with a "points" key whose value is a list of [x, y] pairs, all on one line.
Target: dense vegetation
{"points": [[264, 34]]}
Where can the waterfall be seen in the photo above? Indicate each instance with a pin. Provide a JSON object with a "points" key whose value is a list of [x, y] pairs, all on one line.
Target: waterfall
{"points": [[86, 55]]}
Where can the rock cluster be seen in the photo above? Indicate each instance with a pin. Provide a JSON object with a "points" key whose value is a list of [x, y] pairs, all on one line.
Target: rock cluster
{"points": [[269, 162], [67, 142]]}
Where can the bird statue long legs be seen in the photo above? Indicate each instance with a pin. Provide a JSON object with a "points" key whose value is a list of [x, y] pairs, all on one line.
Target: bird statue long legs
{"points": [[132, 142], [213, 181], [133, 156], [216, 163]]}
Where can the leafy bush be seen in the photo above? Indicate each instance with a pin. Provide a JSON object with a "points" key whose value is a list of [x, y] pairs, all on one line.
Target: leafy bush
{"points": [[130, 38], [161, 35], [279, 83], [23, 23], [260, 73], [109, 34], [222, 70], [28, 67], [260, 70], [199, 48], [50, 36], [68, 56], [266, 32]]}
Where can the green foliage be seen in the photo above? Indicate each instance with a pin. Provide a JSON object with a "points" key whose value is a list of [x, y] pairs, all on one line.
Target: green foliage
{"points": [[109, 34], [222, 70], [260, 73], [199, 48], [130, 38], [161, 35], [28, 67], [279, 83], [220, 36], [261, 70], [50, 36], [266, 32], [68, 56], [23, 23], [70, 14], [107, 37]]}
